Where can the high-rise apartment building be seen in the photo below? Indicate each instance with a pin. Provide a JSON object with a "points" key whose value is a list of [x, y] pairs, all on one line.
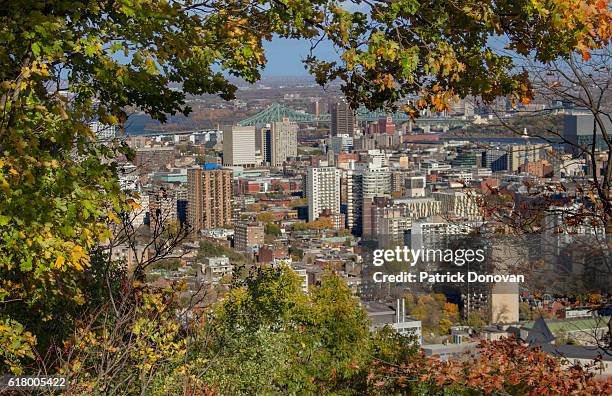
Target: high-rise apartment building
{"points": [[162, 208], [342, 118], [150, 159], [239, 146], [209, 197], [277, 142], [364, 184], [103, 132], [322, 191], [389, 219], [182, 200]]}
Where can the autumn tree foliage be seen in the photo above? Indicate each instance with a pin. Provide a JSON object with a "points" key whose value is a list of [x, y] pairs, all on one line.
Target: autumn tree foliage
{"points": [[313, 336], [435, 314], [440, 49], [267, 336], [504, 367]]}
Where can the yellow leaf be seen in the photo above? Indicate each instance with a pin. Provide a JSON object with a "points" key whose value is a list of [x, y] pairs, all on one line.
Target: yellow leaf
{"points": [[59, 261], [112, 217], [133, 204]]}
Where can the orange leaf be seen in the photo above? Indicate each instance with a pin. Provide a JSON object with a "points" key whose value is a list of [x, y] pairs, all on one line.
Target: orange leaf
{"points": [[585, 55]]}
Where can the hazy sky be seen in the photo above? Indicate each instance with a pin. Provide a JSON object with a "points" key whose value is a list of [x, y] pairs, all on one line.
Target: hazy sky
{"points": [[285, 56]]}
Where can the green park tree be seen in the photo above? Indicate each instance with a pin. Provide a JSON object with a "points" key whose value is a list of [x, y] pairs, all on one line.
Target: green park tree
{"points": [[272, 229], [270, 335]]}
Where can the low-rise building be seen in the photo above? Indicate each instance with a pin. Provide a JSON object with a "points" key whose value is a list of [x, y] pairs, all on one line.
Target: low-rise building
{"points": [[382, 315], [247, 236], [214, 269]]}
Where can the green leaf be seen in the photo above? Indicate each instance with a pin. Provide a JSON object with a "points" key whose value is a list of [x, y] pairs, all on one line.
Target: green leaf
{"points": [[35, 49]]}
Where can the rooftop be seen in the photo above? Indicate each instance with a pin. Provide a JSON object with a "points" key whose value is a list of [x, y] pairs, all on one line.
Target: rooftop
{"points": [[211, 167], [575, 351]]}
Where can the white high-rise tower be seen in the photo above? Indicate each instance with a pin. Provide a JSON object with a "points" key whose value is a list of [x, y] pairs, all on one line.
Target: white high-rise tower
{"points": [[322, 191]]}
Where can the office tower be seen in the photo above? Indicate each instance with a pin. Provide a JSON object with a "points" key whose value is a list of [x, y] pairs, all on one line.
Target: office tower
{"points": [[322, 191], [342, 118], [467, 158], [495, 159], [209, 197], [239, 146], [386, 125], [341, 143], [248, 236], [282, 142], [578, 130]]}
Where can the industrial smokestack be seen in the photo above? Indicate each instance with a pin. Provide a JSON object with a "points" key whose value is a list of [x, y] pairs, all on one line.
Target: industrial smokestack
{"points": [[397, 311]]}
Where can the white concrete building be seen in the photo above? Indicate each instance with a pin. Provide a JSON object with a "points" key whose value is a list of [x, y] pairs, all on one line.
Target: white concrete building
{"points": [[239, 146], [213, 269], [322, 191]]}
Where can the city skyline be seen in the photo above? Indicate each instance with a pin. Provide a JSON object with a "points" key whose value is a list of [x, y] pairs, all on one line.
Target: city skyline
{"points": [[185, 209]]}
